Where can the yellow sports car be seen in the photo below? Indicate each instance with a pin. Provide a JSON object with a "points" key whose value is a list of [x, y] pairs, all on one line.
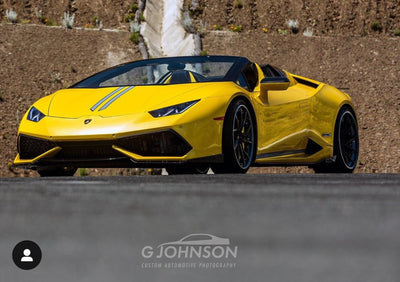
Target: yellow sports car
{"points": [[188, 114]]}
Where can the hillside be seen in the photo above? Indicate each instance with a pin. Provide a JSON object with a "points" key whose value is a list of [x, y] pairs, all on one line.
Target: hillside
{"points": [[324, 17], [367, 68], [345, 51], [38, 60]]}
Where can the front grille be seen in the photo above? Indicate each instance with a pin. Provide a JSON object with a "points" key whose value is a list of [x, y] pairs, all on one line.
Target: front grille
{"points": [[87, 150], [31, 147], [163, 143]]}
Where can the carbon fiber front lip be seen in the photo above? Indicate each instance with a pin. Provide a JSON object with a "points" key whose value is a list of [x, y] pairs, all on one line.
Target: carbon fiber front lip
{"points": [[122, 162]]}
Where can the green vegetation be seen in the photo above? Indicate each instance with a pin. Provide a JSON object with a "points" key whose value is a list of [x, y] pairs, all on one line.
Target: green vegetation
{"points": [[203, 53], [376, 26], [217, 27], [135, 37], [24, 21], [68, 20], [236, 28], [238, 5], [129, 18], [50, 22], [282, 31], [83, 172], [11, 16], [133, 8], [131, 13], [396, 32]]}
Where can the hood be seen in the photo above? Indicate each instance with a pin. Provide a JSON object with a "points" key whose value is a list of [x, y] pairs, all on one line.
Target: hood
{"points": [[117, 101]]}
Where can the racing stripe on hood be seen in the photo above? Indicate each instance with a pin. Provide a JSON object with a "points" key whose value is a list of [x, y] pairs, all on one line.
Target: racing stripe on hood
{"points": [[115, 98], [105, 98]]}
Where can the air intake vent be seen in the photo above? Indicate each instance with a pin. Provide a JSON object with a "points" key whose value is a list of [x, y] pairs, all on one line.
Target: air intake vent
{"points": [[305, 82], [31, 147]]}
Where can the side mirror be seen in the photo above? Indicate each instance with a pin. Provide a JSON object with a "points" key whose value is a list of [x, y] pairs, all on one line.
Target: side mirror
{"points": [[274, 83]]}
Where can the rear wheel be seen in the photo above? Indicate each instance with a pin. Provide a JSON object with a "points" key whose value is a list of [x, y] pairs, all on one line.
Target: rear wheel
{"points": [[57, 171], [346, 145], [238, 139], [187, 170]]}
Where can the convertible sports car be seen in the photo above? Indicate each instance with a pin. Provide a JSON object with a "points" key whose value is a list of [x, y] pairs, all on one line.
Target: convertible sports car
{"points": [[188, 114]]}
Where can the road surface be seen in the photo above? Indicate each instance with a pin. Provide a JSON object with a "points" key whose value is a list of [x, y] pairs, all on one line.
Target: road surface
{"points": [[284, 227]]}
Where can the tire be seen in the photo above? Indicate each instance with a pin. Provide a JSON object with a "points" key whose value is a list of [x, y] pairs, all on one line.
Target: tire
{"points": [[175, 170], [57, 171], [239, 139], [346, 145]]}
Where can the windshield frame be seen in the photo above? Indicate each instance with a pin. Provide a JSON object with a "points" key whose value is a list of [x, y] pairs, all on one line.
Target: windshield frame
{"points": [[238, 64]]}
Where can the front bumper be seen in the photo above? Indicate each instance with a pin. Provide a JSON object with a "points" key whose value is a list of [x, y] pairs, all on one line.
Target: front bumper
{"points": [[160, 146], [122, 141]]}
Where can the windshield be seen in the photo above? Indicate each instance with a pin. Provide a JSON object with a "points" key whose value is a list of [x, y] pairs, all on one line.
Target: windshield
{"points": [[164, 71]]}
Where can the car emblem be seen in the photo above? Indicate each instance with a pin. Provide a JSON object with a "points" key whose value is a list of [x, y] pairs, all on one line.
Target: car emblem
{"points": [[87, 121]]}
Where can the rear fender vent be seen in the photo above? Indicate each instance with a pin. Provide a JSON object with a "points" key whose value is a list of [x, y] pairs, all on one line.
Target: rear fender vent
{"points": [[306, 82]]}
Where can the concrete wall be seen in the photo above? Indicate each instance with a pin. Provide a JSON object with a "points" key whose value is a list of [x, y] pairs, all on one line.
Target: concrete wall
{"points": [[163, 31]]}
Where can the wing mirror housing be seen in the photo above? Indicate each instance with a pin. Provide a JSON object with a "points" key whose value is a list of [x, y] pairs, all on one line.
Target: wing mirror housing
{"points": [[275, 83]]}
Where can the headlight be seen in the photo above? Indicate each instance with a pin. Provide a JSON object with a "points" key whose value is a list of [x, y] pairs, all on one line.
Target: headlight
{"points": [[173, 110], [35, 115]]}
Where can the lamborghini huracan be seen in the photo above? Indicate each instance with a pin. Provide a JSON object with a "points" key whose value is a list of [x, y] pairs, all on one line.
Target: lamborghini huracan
{"points": [[189, 114]]}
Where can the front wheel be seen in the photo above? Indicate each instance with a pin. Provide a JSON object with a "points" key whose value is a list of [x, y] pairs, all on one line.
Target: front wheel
{"points": [[346, 145], [238, 139], [57, 171]]}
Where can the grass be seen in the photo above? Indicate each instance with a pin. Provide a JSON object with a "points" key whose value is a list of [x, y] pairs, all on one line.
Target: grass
{"points": [[396, 32], [129, 18], [24, 21], [236, 28], [135, 38], [376, 26], [203, 53], [217, 27], [134, 8], [83, 172], [50, 22], [283, 31], [238, 5]]}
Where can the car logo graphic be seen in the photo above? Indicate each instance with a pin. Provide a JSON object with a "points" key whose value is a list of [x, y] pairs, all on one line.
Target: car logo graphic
{"points": [[87, 121], [199, 239]]}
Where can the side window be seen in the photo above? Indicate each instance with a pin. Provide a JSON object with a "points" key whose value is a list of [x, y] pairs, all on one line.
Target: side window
{"points": [[270, 71], [241, 81], [251, 75]]}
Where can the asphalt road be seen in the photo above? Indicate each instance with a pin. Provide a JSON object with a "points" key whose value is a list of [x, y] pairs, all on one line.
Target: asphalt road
{"points": [[285, 227]]}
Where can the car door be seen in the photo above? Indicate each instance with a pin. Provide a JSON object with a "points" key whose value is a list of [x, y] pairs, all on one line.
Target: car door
{"points": [[283, 117]]}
